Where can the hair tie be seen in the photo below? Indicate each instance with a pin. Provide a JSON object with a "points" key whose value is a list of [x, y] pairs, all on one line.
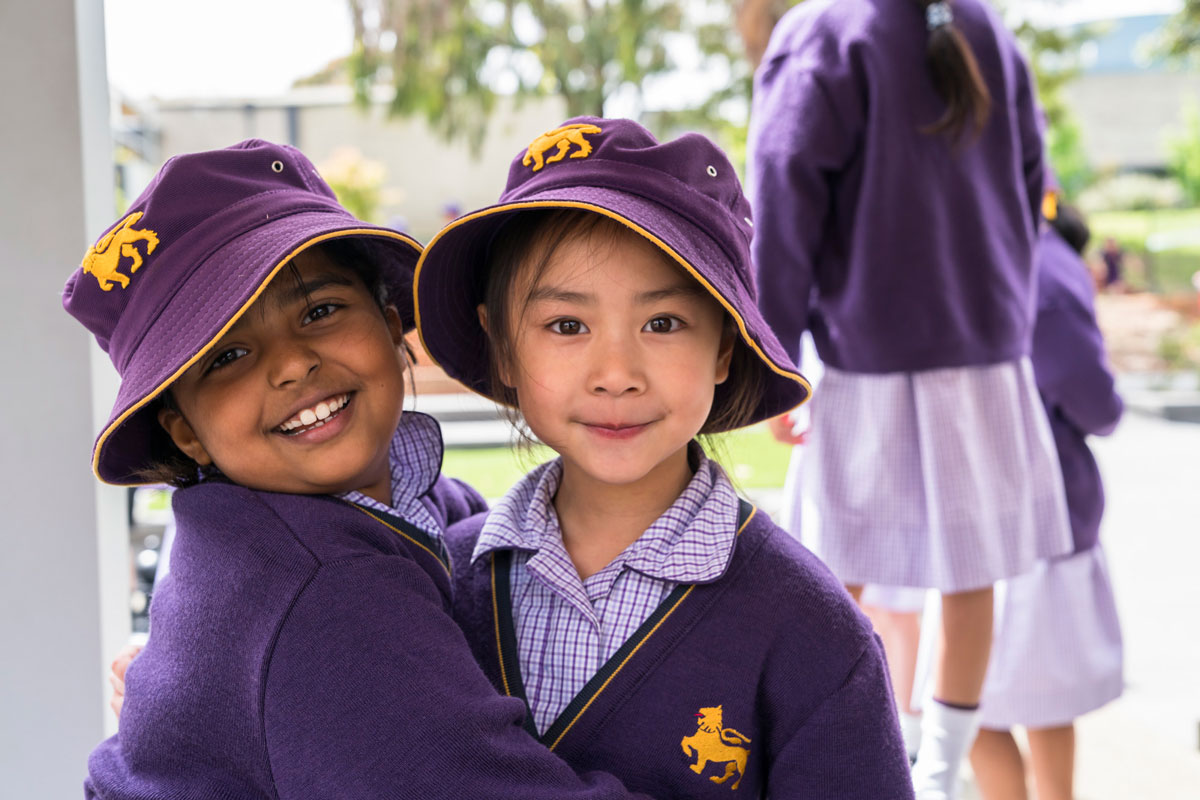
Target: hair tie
{"points": [[938, 15]]}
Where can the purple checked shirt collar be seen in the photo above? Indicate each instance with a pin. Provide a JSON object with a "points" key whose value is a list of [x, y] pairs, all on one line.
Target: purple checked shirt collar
{"points": [[415, 457], [690, 543]]}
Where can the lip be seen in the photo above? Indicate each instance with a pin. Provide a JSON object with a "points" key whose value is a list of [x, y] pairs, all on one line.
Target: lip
{"points": [[619, 431]]}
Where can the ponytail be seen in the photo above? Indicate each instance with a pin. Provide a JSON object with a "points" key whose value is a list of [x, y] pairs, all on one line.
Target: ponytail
{"points": [[955, 73]]}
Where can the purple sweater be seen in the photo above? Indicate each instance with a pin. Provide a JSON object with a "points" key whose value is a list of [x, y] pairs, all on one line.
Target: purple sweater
{"points": [[1073, 378], [303, 648], [768, 679], [898, 251]]}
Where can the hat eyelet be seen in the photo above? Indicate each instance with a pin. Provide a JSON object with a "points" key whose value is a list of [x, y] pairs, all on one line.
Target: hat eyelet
{"points": [[712, 171], [276, 166]]}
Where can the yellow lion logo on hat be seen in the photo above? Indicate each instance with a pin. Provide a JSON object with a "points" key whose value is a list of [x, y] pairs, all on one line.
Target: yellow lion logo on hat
{"points": [[103, 259], [711, 742], [562, 138]]}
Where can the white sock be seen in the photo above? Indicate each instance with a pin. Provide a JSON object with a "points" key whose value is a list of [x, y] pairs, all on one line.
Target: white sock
{"points": [[910, 729], [946, 736]]}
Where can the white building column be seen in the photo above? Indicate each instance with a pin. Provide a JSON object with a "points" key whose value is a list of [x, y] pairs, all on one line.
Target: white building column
{"points": [[64, 574]]}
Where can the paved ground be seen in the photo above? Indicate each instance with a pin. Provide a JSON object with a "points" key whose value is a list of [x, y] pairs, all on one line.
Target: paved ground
{"points": [[1146, 745]]}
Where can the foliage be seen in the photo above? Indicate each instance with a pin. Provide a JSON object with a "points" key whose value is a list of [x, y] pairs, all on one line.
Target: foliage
{"points": [[357, 181], [1053, 54], [1131, 191], [1184, 154], [447, 62], [1181, 37]]}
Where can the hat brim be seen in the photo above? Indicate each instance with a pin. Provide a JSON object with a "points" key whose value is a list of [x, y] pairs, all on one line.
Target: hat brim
{"points": [[213, 297], [447, 288]]}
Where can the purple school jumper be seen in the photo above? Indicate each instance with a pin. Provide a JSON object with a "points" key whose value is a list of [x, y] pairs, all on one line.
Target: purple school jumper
{"points": [[767, 680], [898, 251], [1073, 378], [303, 648]]}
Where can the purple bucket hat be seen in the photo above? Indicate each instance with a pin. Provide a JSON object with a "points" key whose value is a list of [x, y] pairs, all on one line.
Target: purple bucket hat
{"points": [[683, 195], [189, 257]]}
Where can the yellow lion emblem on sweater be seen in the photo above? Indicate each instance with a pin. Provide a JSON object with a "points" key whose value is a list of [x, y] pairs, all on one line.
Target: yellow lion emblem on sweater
{"points": [[712, 742], [103, 260], [562, 138]]}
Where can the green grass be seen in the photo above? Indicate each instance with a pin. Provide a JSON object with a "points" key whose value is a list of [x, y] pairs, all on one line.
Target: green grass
{"points": [[751, 457]]}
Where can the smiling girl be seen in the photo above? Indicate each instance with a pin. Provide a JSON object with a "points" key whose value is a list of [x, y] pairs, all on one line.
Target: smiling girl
{"points": [[657, 626]]}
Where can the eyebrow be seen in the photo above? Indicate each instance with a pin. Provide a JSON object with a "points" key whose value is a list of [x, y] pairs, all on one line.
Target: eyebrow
{"points": [[296, 292], [554, 293]]}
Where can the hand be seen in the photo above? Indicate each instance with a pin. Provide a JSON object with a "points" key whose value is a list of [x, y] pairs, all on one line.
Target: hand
{"points": [[117, 678], [781, 429]]}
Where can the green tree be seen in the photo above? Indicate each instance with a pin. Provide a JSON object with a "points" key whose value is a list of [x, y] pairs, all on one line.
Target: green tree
{"points": [[448, 61], [1053, 56], [1181, 37], [1184, 154]]}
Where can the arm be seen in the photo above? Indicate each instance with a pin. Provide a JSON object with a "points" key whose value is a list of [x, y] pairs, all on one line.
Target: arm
{"points": [[371, 691], [850, 746], [802, 131], [1030, 130], [1071, 368]]}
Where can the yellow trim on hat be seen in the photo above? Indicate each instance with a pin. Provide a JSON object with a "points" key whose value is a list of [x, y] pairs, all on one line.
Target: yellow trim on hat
{"points": [[104, 435], [683, 262]]}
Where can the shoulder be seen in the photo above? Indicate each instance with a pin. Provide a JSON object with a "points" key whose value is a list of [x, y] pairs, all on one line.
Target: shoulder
{"points": [[454, 500], [799, 598], [1063, 281], [267, 525], [461, 538]]}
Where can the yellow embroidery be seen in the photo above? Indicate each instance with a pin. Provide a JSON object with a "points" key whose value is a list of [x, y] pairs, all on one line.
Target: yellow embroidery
{"points": [[711, 742], [1050, 205], [104, 258], [562, 138]]}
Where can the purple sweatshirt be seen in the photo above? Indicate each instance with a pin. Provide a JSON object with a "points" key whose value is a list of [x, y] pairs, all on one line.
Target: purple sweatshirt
{"points": [[767, 680], [900, 252], [1073, 378], [303, 648]]}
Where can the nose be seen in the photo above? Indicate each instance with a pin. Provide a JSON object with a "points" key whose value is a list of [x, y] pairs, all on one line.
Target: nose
{"points": [[290, 361], [616, 367]]}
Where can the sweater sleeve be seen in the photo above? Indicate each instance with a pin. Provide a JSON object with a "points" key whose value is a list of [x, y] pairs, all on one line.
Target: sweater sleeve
{"points": [[1030, 131], [371, 692], [850, 746], [1071, 370], [802, 131]]}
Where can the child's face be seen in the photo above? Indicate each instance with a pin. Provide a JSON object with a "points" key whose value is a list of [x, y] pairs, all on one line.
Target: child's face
{"points": [[616, 358], [303, 393]]}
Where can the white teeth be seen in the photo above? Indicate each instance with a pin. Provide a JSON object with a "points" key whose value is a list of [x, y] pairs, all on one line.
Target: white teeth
{"points": [[317, 415]]}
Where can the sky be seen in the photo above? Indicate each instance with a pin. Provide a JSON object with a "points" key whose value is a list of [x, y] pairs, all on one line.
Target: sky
{"points": [[253, 48], [220, 48]]}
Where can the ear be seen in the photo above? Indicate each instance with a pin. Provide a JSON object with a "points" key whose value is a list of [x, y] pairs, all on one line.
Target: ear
{"points": [[501, 369], [725, 351], [395, 324], [181, 433]]}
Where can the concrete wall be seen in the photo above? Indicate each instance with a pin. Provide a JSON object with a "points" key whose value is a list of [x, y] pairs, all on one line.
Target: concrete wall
{"points": [[1126, 117], [63, 543]]}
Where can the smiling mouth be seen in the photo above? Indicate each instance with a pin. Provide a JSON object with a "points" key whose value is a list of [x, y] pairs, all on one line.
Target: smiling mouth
{"points": [[309, 419], [618, 430]]}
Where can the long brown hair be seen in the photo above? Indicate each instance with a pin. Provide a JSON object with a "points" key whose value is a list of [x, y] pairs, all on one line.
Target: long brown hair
{"points": [[957, 80]]}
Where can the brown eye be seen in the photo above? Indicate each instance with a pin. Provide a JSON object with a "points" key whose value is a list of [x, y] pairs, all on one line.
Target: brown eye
{"points": [[662, 325], [567, 327]]}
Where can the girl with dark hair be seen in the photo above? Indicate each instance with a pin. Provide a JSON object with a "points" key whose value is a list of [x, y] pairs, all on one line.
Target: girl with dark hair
{"points": [[896, 178]]}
